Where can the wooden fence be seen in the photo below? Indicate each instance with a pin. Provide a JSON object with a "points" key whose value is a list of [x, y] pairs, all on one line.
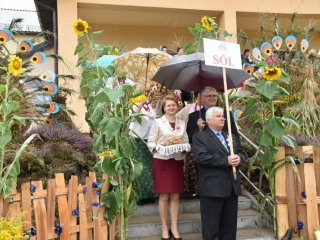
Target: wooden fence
{"points": [[72, 207], [298, 203]]}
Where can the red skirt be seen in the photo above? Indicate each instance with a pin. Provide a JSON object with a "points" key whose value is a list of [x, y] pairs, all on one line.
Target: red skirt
{"points": [[167, 175]]}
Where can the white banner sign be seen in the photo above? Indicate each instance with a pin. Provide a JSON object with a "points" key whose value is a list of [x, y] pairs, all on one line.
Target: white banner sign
{"points": [[222, 54]]}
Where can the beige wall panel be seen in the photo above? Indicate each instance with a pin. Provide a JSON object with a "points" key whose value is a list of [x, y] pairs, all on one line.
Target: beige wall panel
{"points": [[67, 13], [131, 37]]}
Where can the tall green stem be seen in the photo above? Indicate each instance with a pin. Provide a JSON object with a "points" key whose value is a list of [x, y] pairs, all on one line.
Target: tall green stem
{"points": [[272, 108], [4, 120], [122, 225], [199, 40]]}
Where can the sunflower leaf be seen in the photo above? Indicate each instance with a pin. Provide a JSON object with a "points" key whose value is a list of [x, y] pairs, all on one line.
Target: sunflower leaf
{"points": [[284, 77], [79, 48], [96, 34], [267, 88]]}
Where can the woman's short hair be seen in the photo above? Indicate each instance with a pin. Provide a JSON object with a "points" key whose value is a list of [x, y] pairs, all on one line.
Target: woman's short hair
{"points": [[212, 110], [169, 97]]}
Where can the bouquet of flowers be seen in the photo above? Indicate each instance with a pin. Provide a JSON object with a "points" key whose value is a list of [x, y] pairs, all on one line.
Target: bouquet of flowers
{"points": [[173, 145]]}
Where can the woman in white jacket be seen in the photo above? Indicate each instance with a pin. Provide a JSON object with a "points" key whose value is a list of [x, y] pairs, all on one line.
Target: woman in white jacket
{"points": [[167, 170]]}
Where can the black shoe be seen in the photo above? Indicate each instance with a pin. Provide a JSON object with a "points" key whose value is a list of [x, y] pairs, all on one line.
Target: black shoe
{"points": [[171, 235], [169, 238]]}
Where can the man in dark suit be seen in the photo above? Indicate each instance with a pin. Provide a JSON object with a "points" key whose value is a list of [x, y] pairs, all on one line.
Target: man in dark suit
{"points": [[218, 191], [196, 122]]}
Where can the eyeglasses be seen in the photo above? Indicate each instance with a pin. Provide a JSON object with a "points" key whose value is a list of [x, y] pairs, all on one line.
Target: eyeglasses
{"points": [[210, 96]]}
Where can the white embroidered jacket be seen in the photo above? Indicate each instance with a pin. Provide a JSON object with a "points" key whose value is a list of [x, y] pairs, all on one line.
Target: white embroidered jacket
{"points": [[161, 131]]}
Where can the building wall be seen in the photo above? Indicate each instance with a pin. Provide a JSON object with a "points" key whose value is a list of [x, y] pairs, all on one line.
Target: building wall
{"points": [[130, 37], [151, 23]]}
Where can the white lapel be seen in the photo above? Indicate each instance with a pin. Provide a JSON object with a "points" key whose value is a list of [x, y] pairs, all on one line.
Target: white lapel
{"points": [[166, 123]]}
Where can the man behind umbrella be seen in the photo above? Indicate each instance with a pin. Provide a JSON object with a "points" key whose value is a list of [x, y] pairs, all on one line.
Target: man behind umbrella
{"points": [[218, 190], [196, 122]]}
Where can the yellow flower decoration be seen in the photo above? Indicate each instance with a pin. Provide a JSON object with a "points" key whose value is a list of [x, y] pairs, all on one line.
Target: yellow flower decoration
{"points": [[114, 51], [80, 27], [271, 73], [207, 23], [104, 154], [138, 99], [15, 65]]}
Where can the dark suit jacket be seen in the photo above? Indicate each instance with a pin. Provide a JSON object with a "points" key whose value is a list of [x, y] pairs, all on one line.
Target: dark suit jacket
{"points": [[192, 126], [215, 177]]}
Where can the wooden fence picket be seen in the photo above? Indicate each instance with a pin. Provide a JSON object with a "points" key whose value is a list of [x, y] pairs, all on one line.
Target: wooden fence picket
{"points": [[51, 206], [83, 218], [26, 205], [95, 210], [301, 198], [88, 198], [14, 206], [72, 206], [281, 190], [316, 162], [63, 207], [40, 213]]}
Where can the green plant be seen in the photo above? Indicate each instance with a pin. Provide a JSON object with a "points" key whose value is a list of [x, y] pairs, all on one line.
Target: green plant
{"points": [[208, 28], [109, 113], [270, 125]]}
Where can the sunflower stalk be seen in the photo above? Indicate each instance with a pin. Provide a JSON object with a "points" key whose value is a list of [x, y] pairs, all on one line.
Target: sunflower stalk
{"points": [[109, 116]]}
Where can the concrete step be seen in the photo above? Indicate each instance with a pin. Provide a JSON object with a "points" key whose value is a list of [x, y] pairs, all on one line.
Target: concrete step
{"points": [[191, 205], [242, 234], [143, 226]]}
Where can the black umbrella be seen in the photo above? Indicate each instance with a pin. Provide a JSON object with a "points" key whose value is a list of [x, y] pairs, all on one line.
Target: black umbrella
{"points": [[189, 72]]}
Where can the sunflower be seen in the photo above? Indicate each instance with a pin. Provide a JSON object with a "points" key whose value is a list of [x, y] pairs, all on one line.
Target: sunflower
{"points": [[80, 27], [140, 98], [207, 23], [15, 65], [271, 73], [104, 154], [114, 51]]}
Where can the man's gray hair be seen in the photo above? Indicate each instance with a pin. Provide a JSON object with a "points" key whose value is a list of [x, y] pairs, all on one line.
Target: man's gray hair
{"points": [[203, 90], [212, 110]]}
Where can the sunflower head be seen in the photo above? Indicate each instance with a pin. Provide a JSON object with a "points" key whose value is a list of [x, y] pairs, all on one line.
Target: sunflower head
{"points": [[107, 153], [138, 99], [15, 65], [80, 27], [207, 23], [271, 73], [114, 51]]}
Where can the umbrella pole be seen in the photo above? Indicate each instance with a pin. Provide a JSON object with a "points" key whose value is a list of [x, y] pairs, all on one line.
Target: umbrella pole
{"points": [[201, 86], [226, 100], [145, 83]]}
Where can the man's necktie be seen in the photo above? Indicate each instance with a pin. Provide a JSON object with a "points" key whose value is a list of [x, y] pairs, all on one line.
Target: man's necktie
{"points": [[222, 140]]}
